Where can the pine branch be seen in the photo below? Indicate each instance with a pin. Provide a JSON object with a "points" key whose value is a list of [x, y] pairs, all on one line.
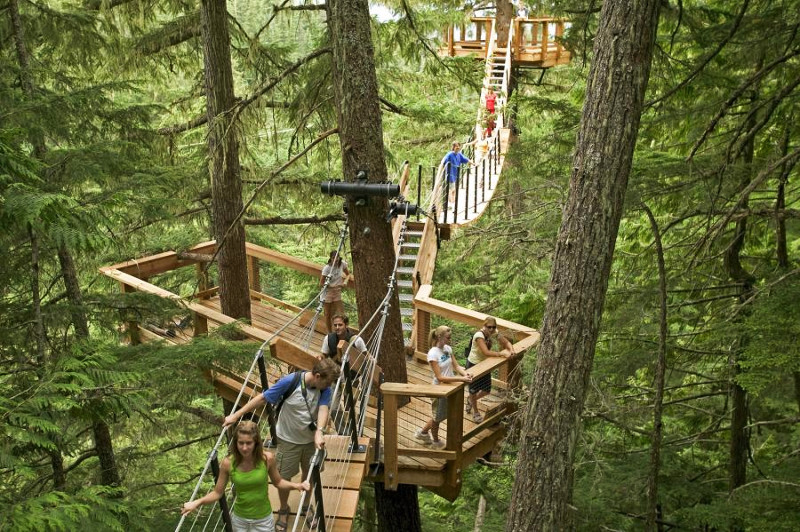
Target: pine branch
{"points": [[706, 61], [308, 7], [172, 34], [242, 104], [392, 107], [744, 86], [95, 5], [279, 220]]}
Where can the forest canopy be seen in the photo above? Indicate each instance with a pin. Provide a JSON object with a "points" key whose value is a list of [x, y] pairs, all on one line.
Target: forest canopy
{"points": [[104, 157]]}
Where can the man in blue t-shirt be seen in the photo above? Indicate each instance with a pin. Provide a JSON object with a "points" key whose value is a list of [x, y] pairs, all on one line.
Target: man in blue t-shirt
{"points": [[452, 161], [302, 417]]}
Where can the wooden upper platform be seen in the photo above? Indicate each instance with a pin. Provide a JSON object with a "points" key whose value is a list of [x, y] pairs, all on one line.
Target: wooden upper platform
{"points": [[535, 42]]}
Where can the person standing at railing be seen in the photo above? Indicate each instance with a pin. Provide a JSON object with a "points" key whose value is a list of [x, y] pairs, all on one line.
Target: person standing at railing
{"points": [[445, 367], [303, 404], [480, 350], [453, 161], [333, 304], [248, 467]]}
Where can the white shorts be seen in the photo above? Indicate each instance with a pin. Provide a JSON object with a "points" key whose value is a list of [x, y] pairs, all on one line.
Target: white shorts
{"points": [[240, 524]]}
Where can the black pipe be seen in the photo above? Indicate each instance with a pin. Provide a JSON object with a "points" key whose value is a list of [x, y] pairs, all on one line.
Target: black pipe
{"points": [[341, 188]]}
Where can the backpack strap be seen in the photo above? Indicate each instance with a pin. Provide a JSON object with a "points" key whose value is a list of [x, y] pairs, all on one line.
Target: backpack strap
{"points": [[290, 390]]}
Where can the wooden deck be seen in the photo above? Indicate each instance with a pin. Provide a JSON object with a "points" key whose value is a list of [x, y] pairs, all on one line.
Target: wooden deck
{"points": [[393, 456], [536, 42], [428, 471]]}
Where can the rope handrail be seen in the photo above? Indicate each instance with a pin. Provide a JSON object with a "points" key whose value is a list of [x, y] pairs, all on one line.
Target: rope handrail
{"points": [[365, 374], [259, 355]]}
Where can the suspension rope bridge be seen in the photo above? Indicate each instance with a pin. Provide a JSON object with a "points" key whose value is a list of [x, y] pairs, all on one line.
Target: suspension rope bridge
{"points": [[371, 433]]}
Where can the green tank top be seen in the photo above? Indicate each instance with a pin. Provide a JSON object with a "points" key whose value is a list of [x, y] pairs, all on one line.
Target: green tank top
{"points": [[252, 492]]}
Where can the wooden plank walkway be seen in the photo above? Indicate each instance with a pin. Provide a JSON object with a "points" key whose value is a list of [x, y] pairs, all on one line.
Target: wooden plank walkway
{"points": [[341, 482]]}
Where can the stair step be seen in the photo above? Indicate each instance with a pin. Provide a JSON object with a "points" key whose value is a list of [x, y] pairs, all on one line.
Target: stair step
{"points": [[406, 270], [405, 284], [406, 297], [406, 311], [413, 233], [408, 257], [412, 245], [407, 327]]}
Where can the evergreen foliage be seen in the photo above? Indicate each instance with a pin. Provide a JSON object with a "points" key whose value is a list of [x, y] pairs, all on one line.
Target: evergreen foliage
{"points": [[116, 88]]}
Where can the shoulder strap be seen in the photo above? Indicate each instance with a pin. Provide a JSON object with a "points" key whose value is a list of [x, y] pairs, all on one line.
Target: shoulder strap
{"points": [[332, 343], [290, 390]]}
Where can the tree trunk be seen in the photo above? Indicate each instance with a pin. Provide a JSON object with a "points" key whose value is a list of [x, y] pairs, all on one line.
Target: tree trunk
{"points": [[109, 475], [100, 430], [59, 474], [223, 150], [398, 510], [653, 508], [623, 50], [38, 321], [504, 14], [361, 139]]}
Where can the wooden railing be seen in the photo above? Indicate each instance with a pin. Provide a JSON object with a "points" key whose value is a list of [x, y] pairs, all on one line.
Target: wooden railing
{"points": [[522, 338], [455, 419], [133, 276], [538, 40]]}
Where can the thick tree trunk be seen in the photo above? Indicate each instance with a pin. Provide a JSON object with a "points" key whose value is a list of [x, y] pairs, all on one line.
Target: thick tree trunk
{"points": [[653, 517], [584, 250], [398, 510], [361, 139], [504, 14], [223, 150]]}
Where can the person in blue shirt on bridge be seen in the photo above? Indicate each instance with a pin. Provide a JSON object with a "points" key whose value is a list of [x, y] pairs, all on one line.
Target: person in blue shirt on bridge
{"points": [[453, 161]]}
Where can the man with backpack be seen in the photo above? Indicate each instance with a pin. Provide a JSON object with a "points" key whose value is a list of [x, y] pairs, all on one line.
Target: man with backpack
{"points": [[303, 399]]}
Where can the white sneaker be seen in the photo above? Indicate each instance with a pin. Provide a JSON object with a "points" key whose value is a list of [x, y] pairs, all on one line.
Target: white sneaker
{"points": [[438, 444], [422, 436]]}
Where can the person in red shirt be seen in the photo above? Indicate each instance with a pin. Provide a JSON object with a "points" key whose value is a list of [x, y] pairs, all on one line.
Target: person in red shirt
{"points": [[491, 100]]}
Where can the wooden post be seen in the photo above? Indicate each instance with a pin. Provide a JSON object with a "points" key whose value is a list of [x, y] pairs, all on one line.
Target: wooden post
{"points": [[517, 38], [559, 35], [422, 327], [390, 463], [200, 324], [545, 39], [253, 273], [450, 45], [455, 431], [202, 278], [131, 326]]}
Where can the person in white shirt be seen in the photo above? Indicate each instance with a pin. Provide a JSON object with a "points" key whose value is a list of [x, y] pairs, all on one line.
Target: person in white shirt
{"points": [[445, 367]]}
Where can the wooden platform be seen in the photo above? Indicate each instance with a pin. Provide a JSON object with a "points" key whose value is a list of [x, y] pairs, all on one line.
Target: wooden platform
{"points": [[393, 456], [536, 42]]}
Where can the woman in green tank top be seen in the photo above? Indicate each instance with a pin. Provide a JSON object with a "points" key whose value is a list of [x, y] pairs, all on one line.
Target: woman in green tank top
{"points": [[248, 469]]}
